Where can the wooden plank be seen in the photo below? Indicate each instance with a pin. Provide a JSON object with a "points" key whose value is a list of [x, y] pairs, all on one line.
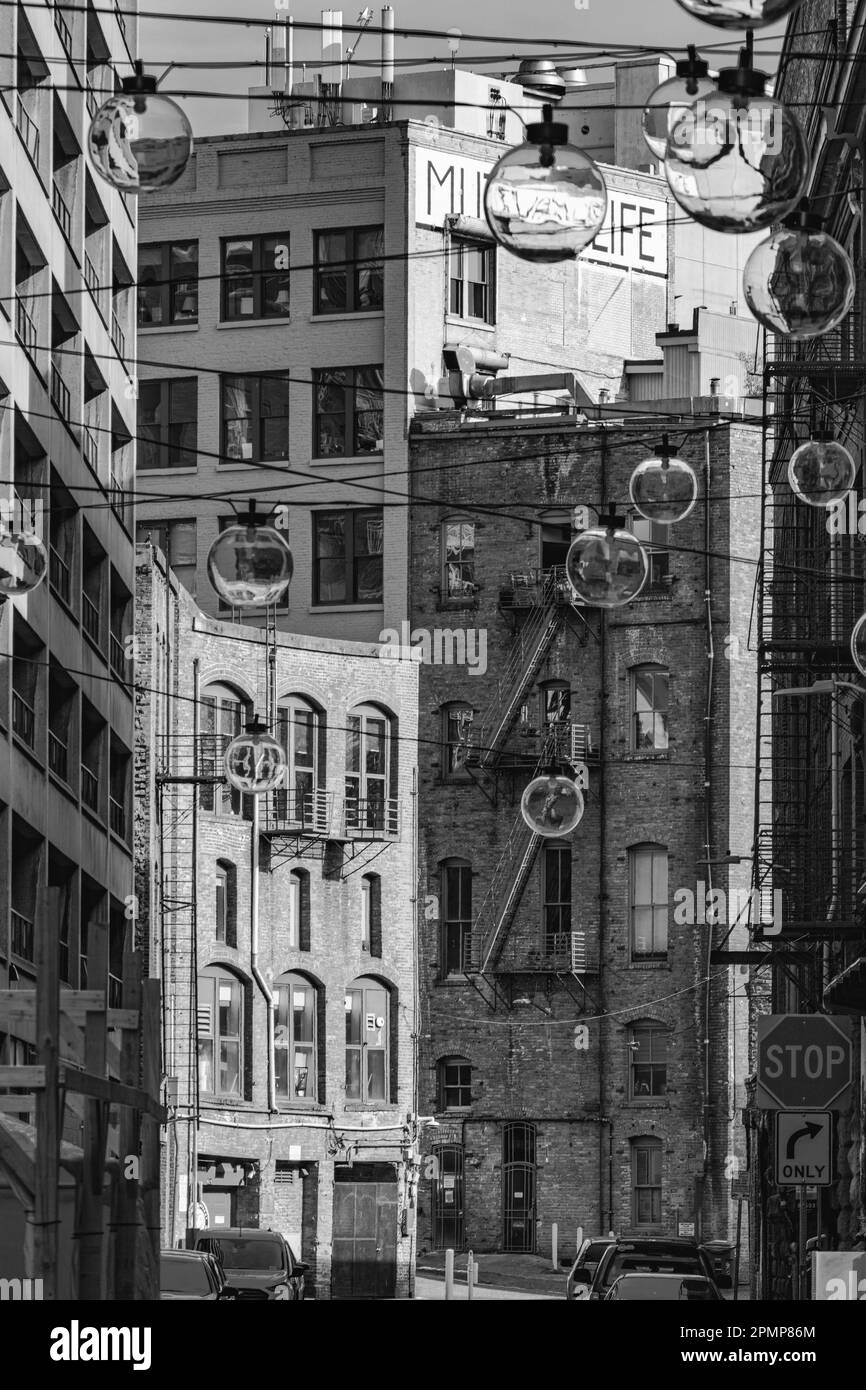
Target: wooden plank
{"points": [[23, 1076], [102, 1088], [11, 1105], [17, 1005], [46, 1208], [19, 1164]]}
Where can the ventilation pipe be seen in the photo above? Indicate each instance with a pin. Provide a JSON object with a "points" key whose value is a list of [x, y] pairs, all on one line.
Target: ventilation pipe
{"points": [[387, 60]]}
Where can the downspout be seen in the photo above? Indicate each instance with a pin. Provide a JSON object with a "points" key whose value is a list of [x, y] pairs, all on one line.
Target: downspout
{"points": [[254, 955], [708, 755], [835, 787], [602, 911]]}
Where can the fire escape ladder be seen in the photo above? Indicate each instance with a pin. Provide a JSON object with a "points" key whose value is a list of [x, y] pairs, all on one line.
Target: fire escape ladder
{"points": [[178, 793]]}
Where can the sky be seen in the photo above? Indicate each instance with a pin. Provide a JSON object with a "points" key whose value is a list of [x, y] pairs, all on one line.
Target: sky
{"points": [[568, 23]]}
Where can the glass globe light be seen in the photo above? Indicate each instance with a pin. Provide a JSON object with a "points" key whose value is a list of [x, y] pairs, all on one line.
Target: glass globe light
{"points": [[739, 14], [250, 565], [606, 567], [23, 562], [858, 644], [552, 805], [821, 471], [673, 96], [545, 200], [139, 140], [664, 489], [737, 161], [254, 761], [800, 281]]}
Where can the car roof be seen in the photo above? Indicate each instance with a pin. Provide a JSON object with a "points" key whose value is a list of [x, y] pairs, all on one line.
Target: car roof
{"points": [[240, 1231], [184, 1254], [663, 1274], [651, 1243]]}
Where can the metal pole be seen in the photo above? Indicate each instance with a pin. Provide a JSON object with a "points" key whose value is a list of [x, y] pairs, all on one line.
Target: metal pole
{"points": [[470, 1266], [449, 1274], [801, 1247], [737, 1251], [554, 1242]]}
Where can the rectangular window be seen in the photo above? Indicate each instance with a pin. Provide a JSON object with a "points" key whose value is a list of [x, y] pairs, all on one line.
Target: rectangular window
{"points": [[255, 277], [221, 904], [470, 279], [456, 918], [654, 538], [167, 283], [649, 725], [556, 869], [347, 556], [219, 1035], [348, 414], [648, 1047], [648, 874], [457, 728], [168, 423], [177, 541], [367, 1044], [350, 271], [456, 1085], [255, 415], [458, 581], [647, 1183]]}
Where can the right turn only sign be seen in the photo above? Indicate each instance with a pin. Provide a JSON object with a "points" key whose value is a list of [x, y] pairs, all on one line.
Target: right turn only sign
{"points": [[804, 1141]]}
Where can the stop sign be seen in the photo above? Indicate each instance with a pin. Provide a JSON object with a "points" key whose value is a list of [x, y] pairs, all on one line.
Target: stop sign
{"points": [[804, 1062]]}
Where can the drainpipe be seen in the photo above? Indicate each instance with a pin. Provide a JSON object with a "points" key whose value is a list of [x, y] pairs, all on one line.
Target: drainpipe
{"points": [[602, 909], [254, 955], [835, 787], [708, 756]]}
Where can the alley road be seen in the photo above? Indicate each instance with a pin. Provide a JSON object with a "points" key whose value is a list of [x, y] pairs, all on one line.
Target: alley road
{"points": [[432, 1290]]}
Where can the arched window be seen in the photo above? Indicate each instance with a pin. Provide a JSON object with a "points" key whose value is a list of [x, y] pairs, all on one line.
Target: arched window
{"points": [[220, 1032], [300, 729], [458, 560], [455, 1083], [371, 770], [296, 1038], [371, 914], [648, 894], [648, 1050], [299, 909], [646, 1181], [648, 692], [224, 713], [225, 903], [456, 724], [456, 916], [556, 896], [368, 1040]]}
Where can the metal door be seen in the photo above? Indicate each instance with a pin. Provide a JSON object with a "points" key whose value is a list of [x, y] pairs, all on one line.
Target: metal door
{"points": [[364, 1261], [448, 1233], [518, 1187]]}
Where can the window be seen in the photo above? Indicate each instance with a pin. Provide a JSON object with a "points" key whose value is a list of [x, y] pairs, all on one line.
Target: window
{"points": [[167, 423], [255, 277], [299, 729], [455, 1084], [654, 538], [456, 928], [371, 915], [648, 880], [648, 1051], [556, 896], [347, 556], [295, 1039], [367, 1041], [255, 415], [555, 699], [470, 279], [178, 542], [220, 1031], [350, 271], [348, 411], [458, 559], [168, 283], [649, 709], [646, 1181], [369, 749], [222, 715], [226, 903], [456, 727], [299, 909]]}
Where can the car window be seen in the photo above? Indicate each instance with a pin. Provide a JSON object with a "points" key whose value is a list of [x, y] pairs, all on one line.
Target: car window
{"points": [[625, 1262], [593, 1252], [237, 1253], [183, 1276]]}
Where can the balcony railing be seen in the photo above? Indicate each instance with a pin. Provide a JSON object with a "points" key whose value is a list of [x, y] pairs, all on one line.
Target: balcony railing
{"points": [[58, 756], [59, 574], [526, 588], [118, 337], [24, 326], [116, 654], [307, 812], [117, 498], [29, 131], [22, 935], [63, 30], [91, 275], [115, 991], [61, 212], [90, 618], [89, 788], [23, 719], [91, 98], [89, 447], [60, 392], [371, 818], [117, 816]]}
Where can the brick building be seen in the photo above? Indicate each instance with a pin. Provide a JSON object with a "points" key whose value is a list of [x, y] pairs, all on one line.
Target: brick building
{"points": [[566, 999], [284, 935]]}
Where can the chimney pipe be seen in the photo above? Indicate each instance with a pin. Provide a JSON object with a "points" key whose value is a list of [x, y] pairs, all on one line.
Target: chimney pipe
{"points": [[268, 56], [714, 385], [290, 54], [332, 47]]}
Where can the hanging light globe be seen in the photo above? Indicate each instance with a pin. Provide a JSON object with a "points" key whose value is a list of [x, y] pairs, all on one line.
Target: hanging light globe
{"points": [[552, 805], [739, 14], [664, 488], [254, 761], [606, 566], [673, 96], [799, 282], [545, 200], [737, 161], [821, 472], [139, 140], [250, 565], [858, 644], [23, 562]]}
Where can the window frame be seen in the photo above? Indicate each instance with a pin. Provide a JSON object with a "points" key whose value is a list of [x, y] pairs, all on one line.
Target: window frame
{"points": [[253, 383], [349, 557], [360, 779], [654, 537], [450, 714], [350, 410], [469, 590], [653, 1031], [458, 245], [169, 284], [289, 803], [459, 927], [228, 801], [299, 909], [352, 268], [167, 450], [558, 908], [365, 986], [653, 670], [258, 273], [462, 1086], [659, 853], [647, 1147], [291, 983], [371, 915], [216, 976]]}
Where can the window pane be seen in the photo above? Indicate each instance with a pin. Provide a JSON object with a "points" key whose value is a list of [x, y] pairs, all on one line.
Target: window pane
{"points": [[354, 1002], [275, 275], [230, 1079], [642, 870], [375, 1075], [229, 1009], [369, 272], [184, 281], [369, 426], [374, 745], [330, 558], [353, 1073], [150, 290], [274, 411], [150, 421], [303, 1012], [237, 393], [239, 282], [205, 1064], [332, 278]]}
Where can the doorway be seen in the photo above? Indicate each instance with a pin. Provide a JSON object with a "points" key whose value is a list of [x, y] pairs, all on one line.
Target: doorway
{"points": [[448, 1227], [364, 1262], [518, 1187]]}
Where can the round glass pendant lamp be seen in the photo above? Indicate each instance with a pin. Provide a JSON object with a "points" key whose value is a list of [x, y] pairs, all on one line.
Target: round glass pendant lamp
{"points": [[664, 488], [255, 762], [138, 140], [606, 565], [23, 562], [739, 14], [552, 805], [821, 472], [250, 564], [858, 644], [671, 97], [799, 282]]}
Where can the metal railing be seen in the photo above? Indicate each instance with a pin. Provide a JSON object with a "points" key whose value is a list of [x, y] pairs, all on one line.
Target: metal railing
{"points": [[28, 130], [60, 392], [61, 211], [91, 276], [117, 816], [89, 447], [89, 788], [91, 98], [22, 934], [58, 756], [90, 617], [311, 812], [115, 991], [116, 646], [23, 719], [116, 498], [371, 818], [59, 574], [63, 30], [118, 337], [24, 326]]}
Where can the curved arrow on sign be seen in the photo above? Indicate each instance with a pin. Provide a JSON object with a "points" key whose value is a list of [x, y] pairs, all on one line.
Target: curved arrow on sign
{"points": [[809, 1129]]}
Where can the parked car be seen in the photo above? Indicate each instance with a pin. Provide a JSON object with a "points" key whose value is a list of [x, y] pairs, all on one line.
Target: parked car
{"points": [[192, 1274], [647, 1255], [258, 1264], [692, 1288], [588, 1256]]}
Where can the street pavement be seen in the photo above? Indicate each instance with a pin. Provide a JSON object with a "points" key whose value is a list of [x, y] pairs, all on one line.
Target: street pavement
{"points": [[433, 1290]]}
